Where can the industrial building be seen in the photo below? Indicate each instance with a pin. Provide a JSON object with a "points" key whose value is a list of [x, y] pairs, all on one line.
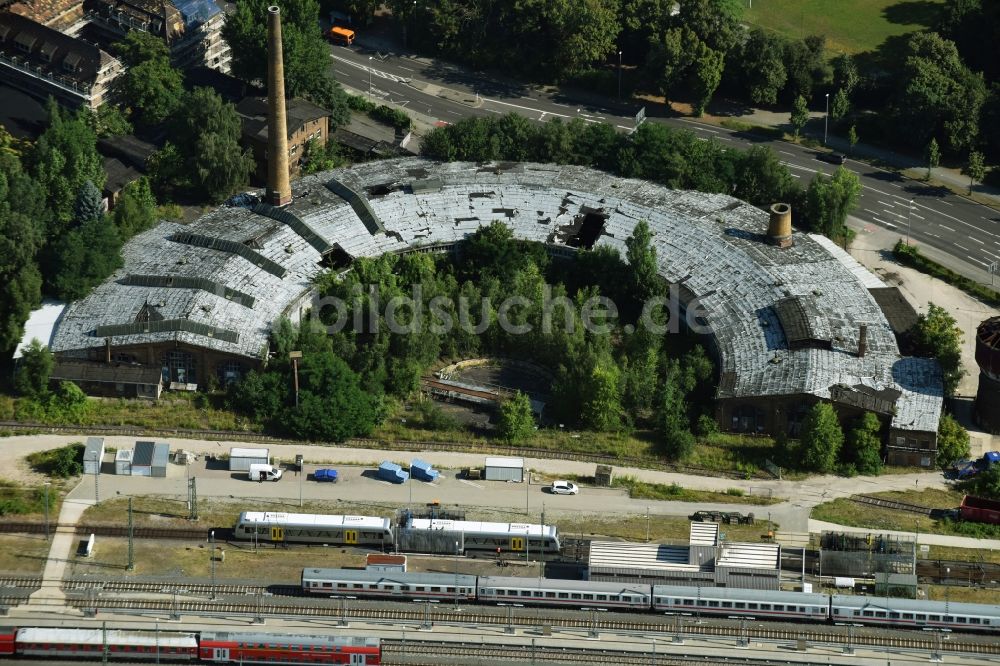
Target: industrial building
{"points": [[789, 325], [705, 560]]}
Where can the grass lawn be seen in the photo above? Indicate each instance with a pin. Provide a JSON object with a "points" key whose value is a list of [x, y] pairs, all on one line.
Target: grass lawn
{"points": [[972, 595], [850, 26], [847, 512], [23, 554], [673, 492]]}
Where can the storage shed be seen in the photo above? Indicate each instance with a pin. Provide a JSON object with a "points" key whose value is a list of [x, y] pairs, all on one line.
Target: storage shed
{"points": [[93, 454], [150, 459], [123, 462], [504, 469], [241, 459]]}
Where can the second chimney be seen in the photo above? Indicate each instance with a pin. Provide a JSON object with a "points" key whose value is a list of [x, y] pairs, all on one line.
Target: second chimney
{"points": [[279, 192], [862, 340], [779, 228]]}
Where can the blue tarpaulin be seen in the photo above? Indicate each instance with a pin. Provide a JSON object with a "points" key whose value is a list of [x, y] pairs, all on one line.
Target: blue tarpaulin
{"points": [[390, 471], [423, 471]]}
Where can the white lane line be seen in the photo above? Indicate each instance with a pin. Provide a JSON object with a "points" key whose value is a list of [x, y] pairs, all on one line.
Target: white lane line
{"points": [[885, 203], [933, 235], [498, 112], [881, 221], [406, 68], [973, 238], [981, 263], [946, 227], [698, 125], [919, 217], [725, 138], [952, 217], [525, 108], [945, 202], [470, 483], [787, 153], [962, 248], [869, 210], [899, 215], [567, 106], [795, 175], [888, 194], [454, 113], [796, 166], [340, 72]]}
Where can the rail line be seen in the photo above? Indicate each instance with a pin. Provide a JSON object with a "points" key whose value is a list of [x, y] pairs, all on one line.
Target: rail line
{"points": [[345, 613], [892, 504], [397, 445]]}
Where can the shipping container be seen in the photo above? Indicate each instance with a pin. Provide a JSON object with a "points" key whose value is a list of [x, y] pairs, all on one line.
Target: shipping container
{"points": [[504, 469], [93, 455], [241, 459], [123, 462], [980, 509]]}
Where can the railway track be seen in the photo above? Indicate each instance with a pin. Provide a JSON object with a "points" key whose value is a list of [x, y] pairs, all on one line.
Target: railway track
{"points": [[892, 504], [446, 615], [430, 653], [200, 589], [221, 533]]}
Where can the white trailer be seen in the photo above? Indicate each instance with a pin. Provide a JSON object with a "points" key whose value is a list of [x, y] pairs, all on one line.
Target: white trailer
{"points": [[240, 460]]}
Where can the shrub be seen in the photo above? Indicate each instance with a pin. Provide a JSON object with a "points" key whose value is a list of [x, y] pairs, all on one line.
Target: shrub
{"points": [[911, 256], [395, 117], [734, 492], [63, 462]]}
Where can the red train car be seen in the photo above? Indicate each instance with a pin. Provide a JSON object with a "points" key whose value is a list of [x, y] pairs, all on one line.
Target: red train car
{"points": [[8, 636], [234, 648], [980, 509], [121, 644]]}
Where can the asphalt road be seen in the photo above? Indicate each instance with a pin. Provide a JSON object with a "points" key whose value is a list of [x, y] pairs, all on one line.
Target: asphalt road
{"points": [[931, 216]]}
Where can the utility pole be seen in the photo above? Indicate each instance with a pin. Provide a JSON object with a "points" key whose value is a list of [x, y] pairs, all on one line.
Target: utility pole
{"points": [[619, 74], [826, 118], [456, 575], [97, 473], [369, 78], [647, 524], [211, 538], [909, 208], [193, 498], [104, 642], [131, 540], [527, 483], [47, 484]]}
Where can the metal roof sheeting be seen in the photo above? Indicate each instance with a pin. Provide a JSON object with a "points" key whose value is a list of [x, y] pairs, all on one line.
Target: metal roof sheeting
{"points": [[313, 520], [514, 529], [114, 637]]}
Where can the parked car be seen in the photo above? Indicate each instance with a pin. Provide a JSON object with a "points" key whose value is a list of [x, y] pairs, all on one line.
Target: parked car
{"points": [[327, 475], [833, 158], [564, 488], [261, 473]]}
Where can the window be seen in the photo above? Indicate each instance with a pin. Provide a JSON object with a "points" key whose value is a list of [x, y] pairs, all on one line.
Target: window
{"points": [[576, 595], [563, 595]]}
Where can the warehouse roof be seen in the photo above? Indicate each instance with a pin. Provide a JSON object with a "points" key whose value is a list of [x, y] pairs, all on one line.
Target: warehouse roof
{"points": [[710, 244]]}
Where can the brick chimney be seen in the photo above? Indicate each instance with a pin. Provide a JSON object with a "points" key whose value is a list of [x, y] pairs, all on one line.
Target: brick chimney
{"points": [[279, 192], [862, 340], [779, 227]]}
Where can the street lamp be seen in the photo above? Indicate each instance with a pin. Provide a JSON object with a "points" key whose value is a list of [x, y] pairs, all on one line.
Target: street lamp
{"points": [[296, 355], [619, 74], [909, 208], [826, 118], [47, 484], [370, 78], [97, 473]]}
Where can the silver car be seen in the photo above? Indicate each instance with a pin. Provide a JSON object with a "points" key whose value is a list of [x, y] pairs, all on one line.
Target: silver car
{"points": [[564, 488]]}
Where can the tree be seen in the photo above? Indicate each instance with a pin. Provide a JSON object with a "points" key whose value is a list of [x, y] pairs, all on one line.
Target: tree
{"points": [[65, 156], [761, 179], [805, 64], [601, 409], [933, 154], [937, 95], [761, 67], [845, 73], [821, 438], [675, 426], [23, 218], [670, 58], [953, 441], [150, 85], [34, 370], [975, 169], [986, 483], [864, 447], [937, 335], [109, 120], [517, 422], [331, 406], [305, 54], [840, 106], [642, 265], [84, 257], [708, 66], [829, 200], [852, 137], [208, 130], [800, 115], [136, 209], [89, 204]]}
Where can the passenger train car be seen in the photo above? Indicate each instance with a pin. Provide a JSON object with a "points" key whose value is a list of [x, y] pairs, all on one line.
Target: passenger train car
{"points": [[377, 532], [669, 599], [313, 528], [209, 648]]}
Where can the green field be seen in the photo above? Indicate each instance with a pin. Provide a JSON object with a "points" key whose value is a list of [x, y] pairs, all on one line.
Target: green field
{"points": [[850, 26]]}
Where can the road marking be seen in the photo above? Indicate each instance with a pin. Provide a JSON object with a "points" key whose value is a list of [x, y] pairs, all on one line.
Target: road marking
{"points": [[973, 238], [947, 227], [525, 108], [340, 72], [699, 126], [882, 221], [919, 217], [885, 203], [500, 113], [933, 235], [888, 194], [470, 483], [406, 68], [795, 175], [796, 166], [787, 153], [952, 217], [454, 113], [899, 215], [962, 248], [869, 210], [945, 202], [981, 263]]}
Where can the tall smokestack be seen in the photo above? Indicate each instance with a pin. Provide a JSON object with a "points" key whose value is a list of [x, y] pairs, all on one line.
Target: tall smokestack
{"points": [[279, 192], [779, 227]]}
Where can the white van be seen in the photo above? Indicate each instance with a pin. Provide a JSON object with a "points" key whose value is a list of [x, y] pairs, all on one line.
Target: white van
{"points": [[260, 472]]}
